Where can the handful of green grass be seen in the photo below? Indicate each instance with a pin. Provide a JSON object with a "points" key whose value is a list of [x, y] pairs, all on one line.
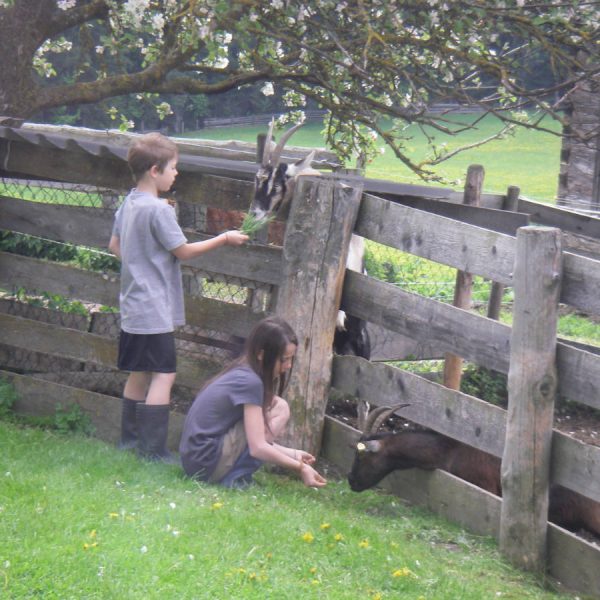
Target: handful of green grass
{"points": [[251, 223]]}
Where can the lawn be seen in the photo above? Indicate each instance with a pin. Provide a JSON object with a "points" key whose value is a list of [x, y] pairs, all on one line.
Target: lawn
{"points": [[79, 519], [527, 159]]}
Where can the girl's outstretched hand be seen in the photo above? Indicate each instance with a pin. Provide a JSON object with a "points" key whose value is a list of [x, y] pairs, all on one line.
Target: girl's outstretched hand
{"points": [[305, 457], [310, 477]]}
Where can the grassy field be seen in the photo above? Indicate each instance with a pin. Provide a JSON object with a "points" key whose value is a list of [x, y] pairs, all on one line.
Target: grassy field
{"points": [[528, 159], [80, 520]]}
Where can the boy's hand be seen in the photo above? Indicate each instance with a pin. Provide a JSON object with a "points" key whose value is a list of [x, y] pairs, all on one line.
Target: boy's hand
{"points": [[235, 238]]}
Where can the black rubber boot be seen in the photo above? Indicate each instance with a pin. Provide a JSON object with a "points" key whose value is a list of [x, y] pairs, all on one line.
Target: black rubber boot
{"points": [[129, 435], [153, 427]]}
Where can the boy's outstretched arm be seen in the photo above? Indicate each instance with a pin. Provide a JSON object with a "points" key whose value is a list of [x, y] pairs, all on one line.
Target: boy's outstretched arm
{"points": [[115, 246], [228, 238]]}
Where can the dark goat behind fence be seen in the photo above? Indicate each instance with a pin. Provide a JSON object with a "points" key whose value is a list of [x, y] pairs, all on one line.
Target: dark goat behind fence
{"points": [[378, 454]]}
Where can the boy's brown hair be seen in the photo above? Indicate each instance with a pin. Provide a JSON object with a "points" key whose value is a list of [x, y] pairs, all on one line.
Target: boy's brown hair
{"points": [[149, 150]]}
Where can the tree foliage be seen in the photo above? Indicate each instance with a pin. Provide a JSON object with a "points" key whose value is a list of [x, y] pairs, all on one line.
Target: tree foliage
{"points": [[375, 65]]}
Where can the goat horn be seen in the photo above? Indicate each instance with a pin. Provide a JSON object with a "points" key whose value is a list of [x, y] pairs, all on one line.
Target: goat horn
{"points": [[274, 158], [362, 410], [379, 415], [266, 157]]}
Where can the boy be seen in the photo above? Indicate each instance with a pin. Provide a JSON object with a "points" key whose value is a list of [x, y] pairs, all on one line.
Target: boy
{"points": [[149, 242]]}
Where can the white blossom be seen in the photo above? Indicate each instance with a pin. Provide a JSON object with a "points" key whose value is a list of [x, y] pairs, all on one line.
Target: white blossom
{"points": [[158, 22], [65, 4], [267, 89]]}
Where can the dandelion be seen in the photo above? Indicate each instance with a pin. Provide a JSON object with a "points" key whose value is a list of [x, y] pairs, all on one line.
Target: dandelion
{"points": [[93, 533], [325, 526], [88, 546], [313, 570], [376, 596], [338, 537], [217, 505], [173, 505], [403, 572], [113, 515], [308, 537], [363, 544]]}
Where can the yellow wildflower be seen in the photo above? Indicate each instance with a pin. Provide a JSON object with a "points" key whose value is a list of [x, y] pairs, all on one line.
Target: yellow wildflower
{"points": [[93, 533], [338, 537], [403, 572], [217, 505], [88, 546], [113, 515], [308, 537], [363, 544], [313, 570], [325, 526]]}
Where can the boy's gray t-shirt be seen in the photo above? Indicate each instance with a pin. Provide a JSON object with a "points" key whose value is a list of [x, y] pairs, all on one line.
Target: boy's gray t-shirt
{"points": [[151, 298], [216, 409]]}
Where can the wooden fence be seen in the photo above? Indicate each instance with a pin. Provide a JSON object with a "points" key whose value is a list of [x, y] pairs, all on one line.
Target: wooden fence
{"points": [[303, 282]]}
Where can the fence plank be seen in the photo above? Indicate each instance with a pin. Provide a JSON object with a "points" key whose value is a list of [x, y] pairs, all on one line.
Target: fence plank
{"points": [[317, 238], [532, 383], [92, 227], [101, 288], [39, 397], [466, 247], [478, 339], [432, 405], [88, 347], [581, 282]]}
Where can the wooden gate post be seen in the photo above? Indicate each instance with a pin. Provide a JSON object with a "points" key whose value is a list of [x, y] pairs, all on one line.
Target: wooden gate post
{"points": [[511, 202], [532, 384], [322, 216], [464, 281]]}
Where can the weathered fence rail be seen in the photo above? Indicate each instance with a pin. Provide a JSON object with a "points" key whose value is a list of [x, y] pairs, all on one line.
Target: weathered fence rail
{"points": [[304, 278]]}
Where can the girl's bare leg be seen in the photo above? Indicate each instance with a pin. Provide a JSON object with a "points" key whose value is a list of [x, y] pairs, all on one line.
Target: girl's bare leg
{"points": [[277, 419]]}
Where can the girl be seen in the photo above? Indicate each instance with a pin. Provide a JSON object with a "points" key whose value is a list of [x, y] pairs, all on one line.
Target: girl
{"points": [[235, 419]]}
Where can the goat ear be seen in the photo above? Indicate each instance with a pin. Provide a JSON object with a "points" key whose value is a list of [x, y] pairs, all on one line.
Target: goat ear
{"points": [[369, 446], [302, 167]]}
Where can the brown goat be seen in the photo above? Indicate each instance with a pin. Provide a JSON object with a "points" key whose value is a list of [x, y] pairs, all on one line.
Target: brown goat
{"points": [[379, 454]]}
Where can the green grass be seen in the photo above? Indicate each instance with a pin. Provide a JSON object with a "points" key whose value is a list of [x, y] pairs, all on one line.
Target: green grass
{"points": [[527, 159], [79, 519]]}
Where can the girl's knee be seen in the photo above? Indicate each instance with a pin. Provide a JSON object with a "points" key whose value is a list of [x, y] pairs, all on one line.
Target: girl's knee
{"points": [[280, 408], [278, 416]]}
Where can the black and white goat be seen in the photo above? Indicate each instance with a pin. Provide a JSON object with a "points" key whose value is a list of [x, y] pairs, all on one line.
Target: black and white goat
{"points": [[274, 186], [378, 454]]}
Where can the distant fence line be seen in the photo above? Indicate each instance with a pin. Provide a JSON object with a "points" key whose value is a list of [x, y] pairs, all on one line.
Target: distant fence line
{"points": [[262, 119]]}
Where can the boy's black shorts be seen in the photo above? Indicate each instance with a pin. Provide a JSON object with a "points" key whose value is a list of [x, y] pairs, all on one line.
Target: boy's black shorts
{"points": [[147, 352]]}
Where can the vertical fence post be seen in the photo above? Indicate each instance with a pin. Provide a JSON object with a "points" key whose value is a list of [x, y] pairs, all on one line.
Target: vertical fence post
{"points": [[322, 216], [464, 281], [531, 393], [511, 203]]}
